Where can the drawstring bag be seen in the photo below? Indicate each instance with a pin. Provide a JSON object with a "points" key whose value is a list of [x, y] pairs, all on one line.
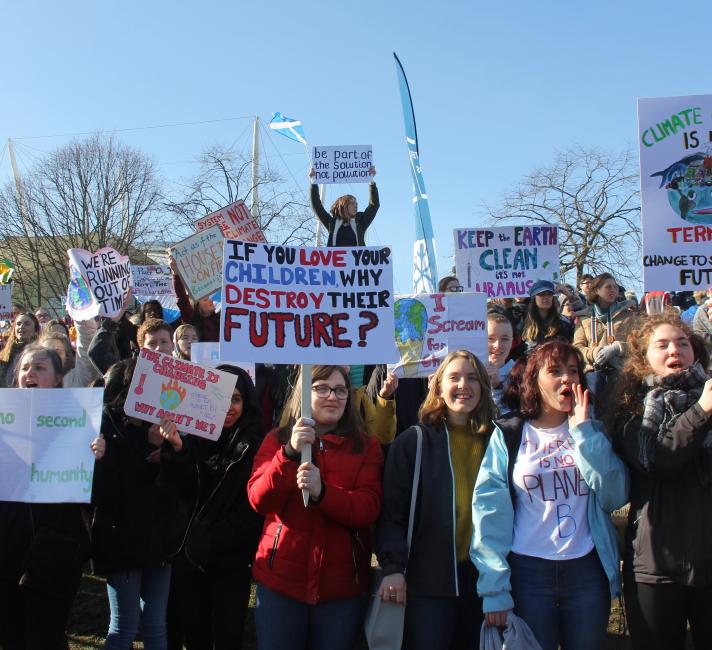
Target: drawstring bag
{"points": [[384, 619], [516, 635]]}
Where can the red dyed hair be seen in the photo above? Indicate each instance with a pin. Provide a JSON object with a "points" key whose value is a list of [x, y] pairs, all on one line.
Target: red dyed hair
{"points": [[543, 356]]}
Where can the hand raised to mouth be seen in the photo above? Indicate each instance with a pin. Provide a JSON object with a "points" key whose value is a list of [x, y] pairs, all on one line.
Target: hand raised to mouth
{"points": [[579, 409]]}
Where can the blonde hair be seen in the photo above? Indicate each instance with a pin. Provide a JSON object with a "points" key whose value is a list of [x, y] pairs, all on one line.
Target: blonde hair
{"points": [[433, 410]]}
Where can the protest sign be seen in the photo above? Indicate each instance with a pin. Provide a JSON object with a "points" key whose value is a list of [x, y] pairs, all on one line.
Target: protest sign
{"points": [[208, 356], [99, 283], [505, 262], [235, 222], [6, 302], [199, 259], [346, 164], [675, 141], [152, 281], [195, 398], [429, 326], [45, 438], [284, 304]]}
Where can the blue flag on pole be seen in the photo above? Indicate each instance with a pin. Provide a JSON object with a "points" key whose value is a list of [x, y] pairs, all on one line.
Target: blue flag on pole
{"points": [[425, 271], [288, 127]]}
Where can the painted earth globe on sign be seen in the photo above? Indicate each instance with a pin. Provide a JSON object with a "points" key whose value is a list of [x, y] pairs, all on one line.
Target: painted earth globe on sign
{"points": [[688, 183]]}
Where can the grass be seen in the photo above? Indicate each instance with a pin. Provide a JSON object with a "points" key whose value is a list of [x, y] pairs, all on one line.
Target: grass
{"points": [[90, 619]]}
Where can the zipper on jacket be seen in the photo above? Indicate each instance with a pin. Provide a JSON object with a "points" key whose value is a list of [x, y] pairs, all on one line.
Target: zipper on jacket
{"points": [[454, 513], [355, 545], [273, 552]]}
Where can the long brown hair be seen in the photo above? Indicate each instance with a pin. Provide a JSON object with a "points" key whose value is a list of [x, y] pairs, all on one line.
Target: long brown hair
{"points": [[536, 327], [11, 340], [338, 209], [433, 410], [350, 425]]}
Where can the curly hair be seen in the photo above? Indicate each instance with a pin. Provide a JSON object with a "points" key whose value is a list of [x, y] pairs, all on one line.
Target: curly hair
{"points": [[544, 356], [338, 209], [150, 326], [627, 391], [433, 409]]}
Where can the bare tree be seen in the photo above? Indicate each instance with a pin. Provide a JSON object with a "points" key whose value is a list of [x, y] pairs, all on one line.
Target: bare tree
{"points": [[224, 177], [593, 198], [91, 193]]}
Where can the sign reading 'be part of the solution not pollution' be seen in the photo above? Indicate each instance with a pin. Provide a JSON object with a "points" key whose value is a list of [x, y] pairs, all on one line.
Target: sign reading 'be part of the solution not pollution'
{"points": [[505, 262], [45, 443], [675, 140], [347, 164], [195, 398], [283, 304]]}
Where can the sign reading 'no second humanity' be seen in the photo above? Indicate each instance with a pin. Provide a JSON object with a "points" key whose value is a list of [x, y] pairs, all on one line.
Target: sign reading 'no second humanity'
{"points": [[283, 304]]}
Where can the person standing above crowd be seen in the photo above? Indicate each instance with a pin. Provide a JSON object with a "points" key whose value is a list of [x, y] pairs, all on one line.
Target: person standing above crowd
{"points": [[435, 578], [312, 564], [24, 330], [601, 337], [661, 422], [543, 321], [543, 542], [346, 226]]}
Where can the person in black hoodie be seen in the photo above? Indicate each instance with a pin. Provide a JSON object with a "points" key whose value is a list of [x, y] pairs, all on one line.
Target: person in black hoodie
{"points": [[210, 586], [140, 519]]}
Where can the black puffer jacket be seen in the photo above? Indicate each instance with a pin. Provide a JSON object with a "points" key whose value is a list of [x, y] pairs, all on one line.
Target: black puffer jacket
{"points": [[140, 515], [669, 533]]}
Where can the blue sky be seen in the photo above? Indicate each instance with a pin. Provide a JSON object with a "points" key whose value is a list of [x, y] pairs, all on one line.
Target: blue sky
{"points": [[498, 88]]}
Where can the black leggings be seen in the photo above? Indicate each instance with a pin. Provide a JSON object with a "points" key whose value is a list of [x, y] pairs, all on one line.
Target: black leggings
{"points": [[658, 614]]}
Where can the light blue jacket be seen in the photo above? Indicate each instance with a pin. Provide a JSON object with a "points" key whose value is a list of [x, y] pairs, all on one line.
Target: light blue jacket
{"points": [[493, 511]]}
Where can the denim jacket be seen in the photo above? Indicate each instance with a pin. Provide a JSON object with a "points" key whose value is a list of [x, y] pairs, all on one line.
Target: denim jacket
{"points": [[493, 507]]}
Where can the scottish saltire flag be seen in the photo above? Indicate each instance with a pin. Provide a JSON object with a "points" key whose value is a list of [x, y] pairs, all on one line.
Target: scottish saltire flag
{"points": [[425, 271], [288, 127]]}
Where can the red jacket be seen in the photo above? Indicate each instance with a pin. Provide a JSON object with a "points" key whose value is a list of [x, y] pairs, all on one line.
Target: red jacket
{"points": [[321, 552]]}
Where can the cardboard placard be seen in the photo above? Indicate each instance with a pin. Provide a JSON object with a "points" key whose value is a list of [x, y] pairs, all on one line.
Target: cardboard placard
{"points": [[199, 259], [235, 221], [285, 304], [675, 141], [344, 164], [194, 397], [505, 262], [152, 281], [429, 326], [45, 438], [99, 283]]}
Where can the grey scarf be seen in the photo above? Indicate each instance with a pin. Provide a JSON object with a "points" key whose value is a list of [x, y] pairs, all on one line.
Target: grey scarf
{"points": [[668, 398]]}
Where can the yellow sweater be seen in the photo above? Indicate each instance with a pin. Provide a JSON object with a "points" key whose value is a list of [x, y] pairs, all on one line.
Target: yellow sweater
{"points": [[466, 450]]}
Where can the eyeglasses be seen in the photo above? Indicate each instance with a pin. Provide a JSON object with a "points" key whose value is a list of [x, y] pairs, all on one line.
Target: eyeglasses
{"points": [[457, 289], [323, 391]]}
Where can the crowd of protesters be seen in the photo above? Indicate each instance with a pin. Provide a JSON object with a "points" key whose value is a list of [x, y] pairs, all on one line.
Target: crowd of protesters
{"points": [[587, 400]]}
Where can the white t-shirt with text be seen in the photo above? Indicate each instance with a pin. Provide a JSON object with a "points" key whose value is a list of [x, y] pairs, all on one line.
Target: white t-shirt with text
{"points": [[551, 497]]}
